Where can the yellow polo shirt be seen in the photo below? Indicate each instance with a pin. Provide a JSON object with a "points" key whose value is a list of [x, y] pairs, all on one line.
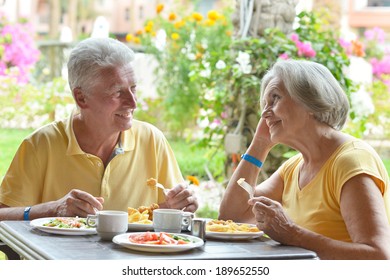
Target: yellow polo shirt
{"points": [[49, 163], [317, 206]]}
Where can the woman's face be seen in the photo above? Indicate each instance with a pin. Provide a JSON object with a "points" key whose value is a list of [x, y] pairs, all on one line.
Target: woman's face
{"points": [[286, 118], [111, 101]]}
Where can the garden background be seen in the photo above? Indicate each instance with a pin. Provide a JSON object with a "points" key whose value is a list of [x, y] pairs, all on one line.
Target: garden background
{"points": [[207, 84]]}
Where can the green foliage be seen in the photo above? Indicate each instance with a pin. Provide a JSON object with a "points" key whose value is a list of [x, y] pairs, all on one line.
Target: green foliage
{"points": [[207, 212], [193, 160], [381, 119], [30, 105], [193, 45], [209, 76]]}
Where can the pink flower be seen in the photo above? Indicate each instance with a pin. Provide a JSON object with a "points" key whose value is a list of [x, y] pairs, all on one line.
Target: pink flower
{"points": [[305, 49], [345, 44], [380, 67], [19, 50], [284, 56], [224, 115], [375, 33], [295, 37]]}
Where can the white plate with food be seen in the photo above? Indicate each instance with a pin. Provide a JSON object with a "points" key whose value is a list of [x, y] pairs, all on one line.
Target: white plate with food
{"points": [[141, 219], [229, 230], [158, 242], [63, 225], [233, 235], [140, 227]]}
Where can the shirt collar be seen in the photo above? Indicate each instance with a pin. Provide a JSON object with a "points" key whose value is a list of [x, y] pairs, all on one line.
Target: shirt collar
{"points": [[73, 145]]}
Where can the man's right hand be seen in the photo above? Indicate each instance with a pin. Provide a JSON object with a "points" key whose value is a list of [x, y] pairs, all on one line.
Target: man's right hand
{"points": [[78, 203]]}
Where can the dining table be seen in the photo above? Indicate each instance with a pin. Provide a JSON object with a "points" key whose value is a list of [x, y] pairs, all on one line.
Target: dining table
{"points": [[30, 243]]}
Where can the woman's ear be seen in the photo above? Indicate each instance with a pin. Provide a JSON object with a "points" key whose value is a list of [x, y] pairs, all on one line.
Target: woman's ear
{"points": [[79, 97]]}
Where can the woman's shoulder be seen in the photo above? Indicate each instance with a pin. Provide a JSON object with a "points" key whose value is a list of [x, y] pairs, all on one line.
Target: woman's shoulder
{"points": [[356, 157], [356, 148]]}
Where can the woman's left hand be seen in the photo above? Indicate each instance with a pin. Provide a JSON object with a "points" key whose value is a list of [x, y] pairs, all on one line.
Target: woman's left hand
{"points": [[272, 219]]}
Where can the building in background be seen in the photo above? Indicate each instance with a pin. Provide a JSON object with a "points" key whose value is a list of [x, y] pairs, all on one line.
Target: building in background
{"points": [[128, 16], [364, 14], [123, 16]]}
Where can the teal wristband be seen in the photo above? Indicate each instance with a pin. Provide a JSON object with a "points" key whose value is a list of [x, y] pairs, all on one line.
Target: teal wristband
{"points": [[252, 160], [26, 214]]}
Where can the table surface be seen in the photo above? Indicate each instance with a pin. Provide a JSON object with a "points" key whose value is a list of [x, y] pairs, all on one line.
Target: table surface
{"points": [[31, 243]]}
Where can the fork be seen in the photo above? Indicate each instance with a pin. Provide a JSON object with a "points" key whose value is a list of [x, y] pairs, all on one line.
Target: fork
{"points": [[248, 188]]}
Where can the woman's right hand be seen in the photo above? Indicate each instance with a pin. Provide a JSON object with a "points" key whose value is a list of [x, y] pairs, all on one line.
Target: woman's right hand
{"points": [[262, 136], [78, 203]]}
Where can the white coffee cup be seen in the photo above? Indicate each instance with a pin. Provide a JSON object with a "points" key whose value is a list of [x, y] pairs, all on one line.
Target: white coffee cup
{"points": [[108, 223], [171, 220]]}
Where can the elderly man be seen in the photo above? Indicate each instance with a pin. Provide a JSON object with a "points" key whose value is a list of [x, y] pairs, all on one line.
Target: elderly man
{"points": [[100, 157]]}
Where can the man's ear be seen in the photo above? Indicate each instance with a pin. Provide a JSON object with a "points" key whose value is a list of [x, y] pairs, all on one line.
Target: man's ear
{"points": [[79, 97]]}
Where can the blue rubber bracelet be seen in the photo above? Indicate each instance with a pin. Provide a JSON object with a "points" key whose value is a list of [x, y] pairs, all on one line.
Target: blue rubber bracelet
{"points": [[252, 160], [26, 214]]}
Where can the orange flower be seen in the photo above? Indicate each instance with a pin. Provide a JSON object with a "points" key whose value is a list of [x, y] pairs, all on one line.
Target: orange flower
{"points": [[228, 33], [213, 15], [129, 37], [179, 24], [193, 180], [148, 28], [172, 17], [357, 48], [159, 8], [139, 32], [197, 16], [198, 55], [175, 36], [137, 40], [209, 22]]}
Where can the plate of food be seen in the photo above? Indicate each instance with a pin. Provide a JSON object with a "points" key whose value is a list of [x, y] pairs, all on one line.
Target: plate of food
{"points": [[63, 225], [158, 242], [141, 219], [229, 230]]}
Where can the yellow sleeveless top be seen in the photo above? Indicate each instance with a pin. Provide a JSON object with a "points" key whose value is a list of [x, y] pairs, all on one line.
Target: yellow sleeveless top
{"points": [[317, 206]]}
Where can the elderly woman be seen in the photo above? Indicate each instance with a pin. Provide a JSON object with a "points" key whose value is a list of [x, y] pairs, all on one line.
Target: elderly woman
{"points": [[333, 196], [99, 157]]}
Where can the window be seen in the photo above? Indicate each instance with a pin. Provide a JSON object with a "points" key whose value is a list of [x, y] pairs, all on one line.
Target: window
{"points": [[127, 14], [378, 3], [141, 13]]}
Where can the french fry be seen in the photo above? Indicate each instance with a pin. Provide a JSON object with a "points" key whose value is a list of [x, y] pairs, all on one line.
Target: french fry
{"points": [[229, 226], [142, 215]]}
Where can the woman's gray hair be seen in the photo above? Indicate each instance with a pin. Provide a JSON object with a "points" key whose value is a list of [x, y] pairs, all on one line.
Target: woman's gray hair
{"points": [[91, 55], [314, 86]]}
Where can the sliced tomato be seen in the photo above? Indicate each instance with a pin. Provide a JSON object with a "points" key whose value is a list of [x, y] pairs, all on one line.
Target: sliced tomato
{"points": [[161, 238], [166, 239]]}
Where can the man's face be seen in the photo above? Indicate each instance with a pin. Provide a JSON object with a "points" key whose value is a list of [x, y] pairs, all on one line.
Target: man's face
{"points": [[111, 101]]}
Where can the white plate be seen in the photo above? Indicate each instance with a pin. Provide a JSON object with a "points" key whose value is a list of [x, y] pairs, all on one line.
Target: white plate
{"points": [[233, 235], [39, 224], [123, 240], [140, 227]]}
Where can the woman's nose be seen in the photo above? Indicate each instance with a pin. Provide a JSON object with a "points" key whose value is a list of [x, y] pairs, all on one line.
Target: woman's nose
{"points": [[266, 113]]}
